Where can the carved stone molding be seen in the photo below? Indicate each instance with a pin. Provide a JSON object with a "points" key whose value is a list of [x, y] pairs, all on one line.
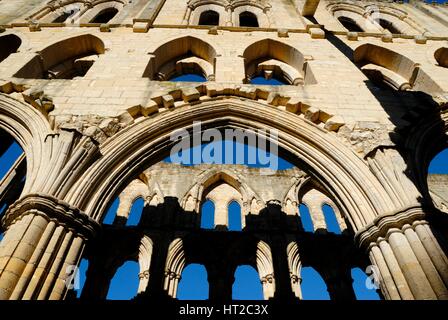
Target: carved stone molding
{"points": [[232, 4], [380, 227], [164, 101], [51, 209], [172, 275], [143, 275], [269, 278]]}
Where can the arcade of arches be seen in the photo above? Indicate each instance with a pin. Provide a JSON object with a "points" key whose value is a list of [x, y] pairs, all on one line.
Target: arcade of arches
{"points": [[90, 98]]}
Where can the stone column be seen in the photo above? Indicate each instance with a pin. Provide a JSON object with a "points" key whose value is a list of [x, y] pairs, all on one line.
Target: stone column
{"points": [[433, 248], [44, 241], [143, 281], [187, 15], [410, 266], [425, 261], [296, 284], [220, 279], [409, 259], [171, 282], [98, 278], [386, 280], [395, 270], [339, 284], [229, 21], [283, 288], [155, 287], [268, 284]]}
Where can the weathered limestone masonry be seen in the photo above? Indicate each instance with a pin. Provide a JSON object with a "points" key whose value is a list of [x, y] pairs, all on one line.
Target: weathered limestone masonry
{"points": [[85, 90]]}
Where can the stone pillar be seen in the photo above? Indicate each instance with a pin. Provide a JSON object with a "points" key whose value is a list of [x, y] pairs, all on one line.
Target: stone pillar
{"points": [[386, 280], [283, 288], [187, 15], [155, 287], [143, 281], [410, 266], [229, 22], [395, 270], [98, 278], [296, 282], [220, 278], [171, 282], [339, 284], [268, 284], [45, 239], [424, 259], [221, 214], [409, 259]]}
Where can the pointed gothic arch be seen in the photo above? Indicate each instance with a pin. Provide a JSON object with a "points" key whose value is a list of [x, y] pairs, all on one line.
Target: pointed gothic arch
{"points": [[29, 127], [295, 268], [209, 179], [175, 263], [353, 195]]}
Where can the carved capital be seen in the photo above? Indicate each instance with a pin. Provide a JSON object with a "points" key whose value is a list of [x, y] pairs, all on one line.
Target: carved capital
{"points": [[295, 279], [172, 275], [269, 278], [143, 275], [52, 209], [381, 226]]}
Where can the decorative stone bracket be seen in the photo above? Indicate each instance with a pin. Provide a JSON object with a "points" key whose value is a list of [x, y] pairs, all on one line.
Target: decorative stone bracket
{"points": [[382, 224], [34, 96], [208, 92]]}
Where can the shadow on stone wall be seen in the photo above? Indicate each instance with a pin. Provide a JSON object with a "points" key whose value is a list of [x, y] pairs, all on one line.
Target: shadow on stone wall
{"points": [[221, 252], [420, 133]]}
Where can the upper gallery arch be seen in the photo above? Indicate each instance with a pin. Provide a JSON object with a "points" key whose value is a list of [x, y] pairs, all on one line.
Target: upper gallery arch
{"points": [[388, 68], [185, 55], [103, 183], [64, 59], [211, 178], [80, 11], [9, 44], [275, 59], [238, 13], [376, 18]]}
